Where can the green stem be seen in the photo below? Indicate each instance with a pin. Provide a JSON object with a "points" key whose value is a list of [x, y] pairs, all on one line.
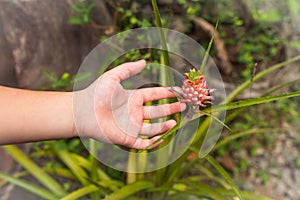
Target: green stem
{"points": [[161, 34], [94, 166]]}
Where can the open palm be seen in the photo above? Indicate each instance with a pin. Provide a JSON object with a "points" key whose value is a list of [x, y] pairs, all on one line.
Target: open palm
{"points": [[119, 114]]}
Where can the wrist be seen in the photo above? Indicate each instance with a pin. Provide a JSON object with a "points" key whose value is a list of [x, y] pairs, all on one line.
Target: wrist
{"points": [[74, 132]]}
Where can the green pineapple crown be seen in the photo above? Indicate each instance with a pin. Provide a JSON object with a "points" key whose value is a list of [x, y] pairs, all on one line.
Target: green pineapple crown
{"points": [[194, 75]]}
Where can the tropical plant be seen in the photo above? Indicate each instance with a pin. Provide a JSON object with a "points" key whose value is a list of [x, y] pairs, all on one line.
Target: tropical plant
{"points": [[189, 177]]}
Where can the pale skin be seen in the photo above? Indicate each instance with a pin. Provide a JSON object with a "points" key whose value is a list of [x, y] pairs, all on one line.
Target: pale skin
{"points": [[116, 115]]}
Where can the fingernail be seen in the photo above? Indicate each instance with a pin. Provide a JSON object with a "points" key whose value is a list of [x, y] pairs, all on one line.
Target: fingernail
{"points": [[141, 61], [172, 123], [182, 106]]}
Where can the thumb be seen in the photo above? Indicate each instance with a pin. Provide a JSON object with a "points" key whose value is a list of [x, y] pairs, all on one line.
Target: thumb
{"points": [[127, 70]]}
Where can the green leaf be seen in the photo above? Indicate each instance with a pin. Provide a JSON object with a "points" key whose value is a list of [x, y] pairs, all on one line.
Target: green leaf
{"points": [[234, 114], [29, 187], [200, 190], [166, 79], [225, 175], [215, 118], [35, 170], [241, 134], [229, 106], [258, 76], [87, 165], [250, 102], [79, 172], [246, 194], [204, 61], [129, 190], [75, 20], [81, 192]]}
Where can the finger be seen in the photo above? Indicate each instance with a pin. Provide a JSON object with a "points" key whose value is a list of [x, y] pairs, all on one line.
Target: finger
{"points": [[155, 93], [139, 143], [151, 112], [151, 129], [127, 70]]}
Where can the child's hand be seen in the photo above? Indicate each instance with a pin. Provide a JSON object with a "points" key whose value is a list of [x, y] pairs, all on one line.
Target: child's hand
{"points": [[106, 111]]}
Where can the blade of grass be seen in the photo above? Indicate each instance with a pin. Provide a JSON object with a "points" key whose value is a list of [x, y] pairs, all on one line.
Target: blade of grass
{"points": [[225, 175], [204, 61], [250, 102], [81, 192], [94, 166], [87, 165], [215, 118], [162, 37], [78, 171], [258, 76], [129, 190], [241, 134], [234, 114], [60, 172], [35, 170], [41, 192], [54, 171], [247, 195], [209, 174], [276, 88], [201, 190]]}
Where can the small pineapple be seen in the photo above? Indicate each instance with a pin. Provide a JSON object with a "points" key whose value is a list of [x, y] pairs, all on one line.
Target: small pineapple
{"points": [[194, 90]]}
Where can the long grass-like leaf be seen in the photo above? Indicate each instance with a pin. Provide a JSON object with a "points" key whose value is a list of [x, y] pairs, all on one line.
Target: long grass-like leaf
{"points": [[201, 190], [234, 114], [215, 118], [37, 190], [162, 37], [60, 172], [250, 102], [35, 170], [81, 192], [246, 194], [87, 165], [225, 175], [209, 174], [258, 76], [241, 134], [94, 166], [54, 171], [78, 171], [276, 88], [204, 61], [96, 187], [129, 190], [229, 106]]}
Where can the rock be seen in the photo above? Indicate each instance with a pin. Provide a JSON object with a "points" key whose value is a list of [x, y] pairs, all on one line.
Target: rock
{"points": [[36, 37]]}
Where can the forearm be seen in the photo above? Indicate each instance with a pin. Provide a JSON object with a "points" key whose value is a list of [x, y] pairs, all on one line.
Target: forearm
{"points": [[28, 116]]}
